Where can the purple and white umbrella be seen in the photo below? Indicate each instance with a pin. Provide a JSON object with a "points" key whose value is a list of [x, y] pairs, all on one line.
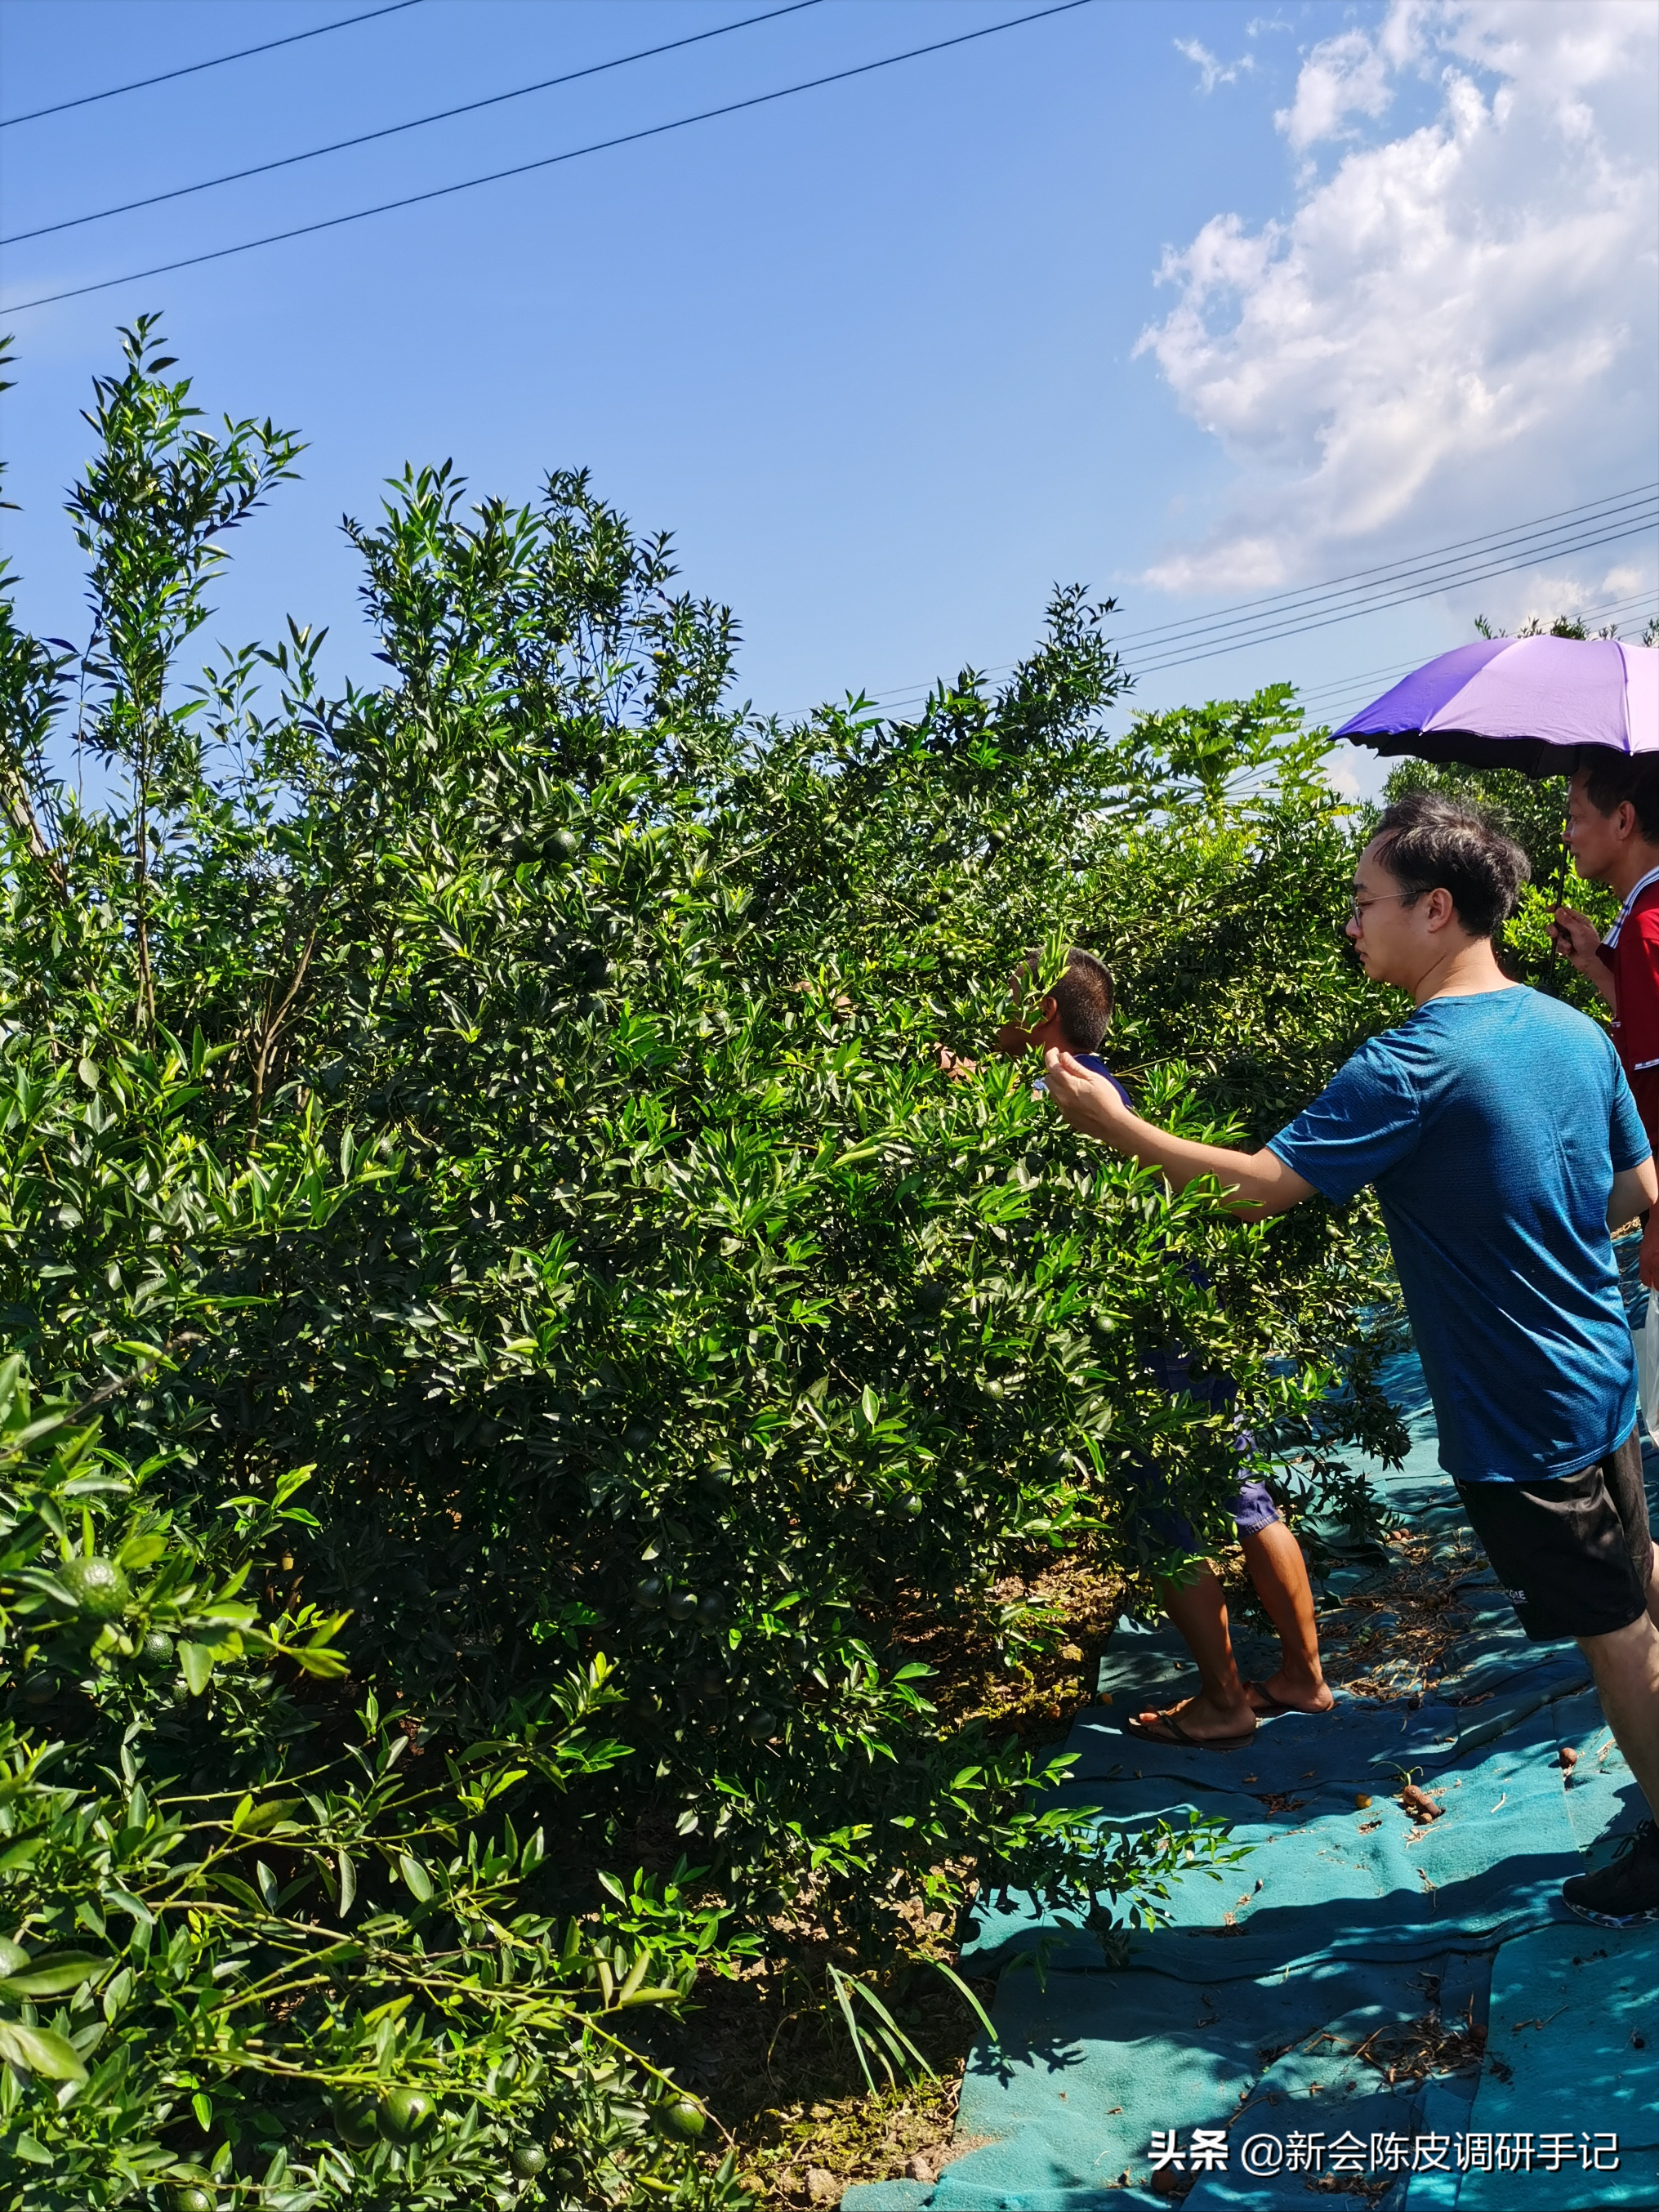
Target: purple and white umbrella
{"points": [[1525, 702]]}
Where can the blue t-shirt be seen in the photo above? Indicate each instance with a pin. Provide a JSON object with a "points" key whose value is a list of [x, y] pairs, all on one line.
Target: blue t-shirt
{"points": [[1491, 1128], [1096, 1066]]}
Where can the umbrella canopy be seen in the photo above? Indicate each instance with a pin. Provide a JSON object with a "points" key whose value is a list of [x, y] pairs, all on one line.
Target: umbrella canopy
{"points": [[1525, 702]]}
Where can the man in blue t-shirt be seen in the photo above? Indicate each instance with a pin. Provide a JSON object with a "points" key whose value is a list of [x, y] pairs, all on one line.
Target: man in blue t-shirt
{"points": [[1502, 1141]]}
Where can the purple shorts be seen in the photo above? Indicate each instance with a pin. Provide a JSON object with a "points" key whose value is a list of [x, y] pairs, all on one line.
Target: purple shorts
{"points": [[1253, 1509]]}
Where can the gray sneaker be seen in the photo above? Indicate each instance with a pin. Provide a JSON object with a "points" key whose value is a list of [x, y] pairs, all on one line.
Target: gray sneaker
{"points": [[1626, 1890]]}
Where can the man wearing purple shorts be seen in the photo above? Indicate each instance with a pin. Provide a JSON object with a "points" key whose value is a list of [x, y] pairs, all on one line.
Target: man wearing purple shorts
{"points": [[1225, 1711]]}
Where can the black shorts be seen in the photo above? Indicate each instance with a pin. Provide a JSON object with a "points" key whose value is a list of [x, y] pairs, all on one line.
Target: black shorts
{"points": [[1573, 1555]]}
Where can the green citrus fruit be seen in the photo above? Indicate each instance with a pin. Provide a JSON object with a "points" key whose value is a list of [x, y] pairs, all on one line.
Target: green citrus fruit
{"points": [[156, 1649], [97, 1585], [528, 2159], [407, 2113], [356, 2120], [192, 2200], [684, 2118]]}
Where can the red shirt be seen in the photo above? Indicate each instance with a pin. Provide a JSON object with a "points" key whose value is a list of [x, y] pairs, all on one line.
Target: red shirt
{"points": [[1632, 952]]}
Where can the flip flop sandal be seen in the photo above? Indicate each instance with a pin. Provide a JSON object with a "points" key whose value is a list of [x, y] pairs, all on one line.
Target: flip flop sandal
{"points": [[1270, 1705], [1168, 1729]]}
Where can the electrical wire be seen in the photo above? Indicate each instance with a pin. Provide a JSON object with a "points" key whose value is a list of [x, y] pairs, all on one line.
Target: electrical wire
{"points": [[190, 69], [1183, 655], [1200, 629], [913, 694], [548, 160], [1413, 566], [416, 123]]}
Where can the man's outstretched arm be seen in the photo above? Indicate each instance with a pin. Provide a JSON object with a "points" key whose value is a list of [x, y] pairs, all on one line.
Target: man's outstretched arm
{"points": [[1255, 1182]]}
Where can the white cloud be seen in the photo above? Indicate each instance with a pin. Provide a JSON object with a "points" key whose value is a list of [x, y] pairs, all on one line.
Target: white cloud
{"points": [[1343, 77], [1211, 70], [1454, 327]]}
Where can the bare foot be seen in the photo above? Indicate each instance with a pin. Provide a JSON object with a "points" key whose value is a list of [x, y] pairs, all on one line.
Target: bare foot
{"points": [[1279, 1693], [1200, 1720]]}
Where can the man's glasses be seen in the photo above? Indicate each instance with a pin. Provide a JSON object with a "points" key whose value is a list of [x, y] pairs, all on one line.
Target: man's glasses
{"points": [[1359, 908]]}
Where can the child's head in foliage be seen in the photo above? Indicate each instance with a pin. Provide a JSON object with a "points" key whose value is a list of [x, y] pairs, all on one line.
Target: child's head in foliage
{"points": [[1077, 1013]]}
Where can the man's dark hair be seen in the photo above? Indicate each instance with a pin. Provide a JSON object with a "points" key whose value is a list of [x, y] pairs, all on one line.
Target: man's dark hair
{"points": [[1429, 842], [1083, 997], [1611, 778]]}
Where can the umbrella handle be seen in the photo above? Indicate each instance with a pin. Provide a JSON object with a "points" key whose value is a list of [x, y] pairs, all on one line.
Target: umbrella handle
{"points": [[1558, 880]]}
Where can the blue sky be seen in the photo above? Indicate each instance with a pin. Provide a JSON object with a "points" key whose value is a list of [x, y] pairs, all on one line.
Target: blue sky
{"points": [[1182, 299]]}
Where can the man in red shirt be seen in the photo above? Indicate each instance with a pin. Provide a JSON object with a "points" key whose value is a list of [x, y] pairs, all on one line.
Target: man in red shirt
{"points": [[1613, 834]]}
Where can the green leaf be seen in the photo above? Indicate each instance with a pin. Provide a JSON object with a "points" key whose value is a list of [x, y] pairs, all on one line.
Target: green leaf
{"points": [[40, 2051], [50, 1976], [967, 1996], [417, 1879], [196, 1662]]}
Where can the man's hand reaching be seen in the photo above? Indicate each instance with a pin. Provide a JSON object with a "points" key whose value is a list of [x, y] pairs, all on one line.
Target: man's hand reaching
{"points": [[1087, 1100], [1254, 1183]]}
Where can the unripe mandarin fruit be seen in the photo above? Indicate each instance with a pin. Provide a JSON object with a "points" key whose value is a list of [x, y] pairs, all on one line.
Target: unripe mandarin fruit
{"points": [[97, 1585], [356, 2120], [407, 2113]]}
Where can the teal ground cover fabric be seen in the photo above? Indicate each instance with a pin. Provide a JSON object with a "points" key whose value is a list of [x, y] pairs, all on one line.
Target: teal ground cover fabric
{"points": [[1255, 2014]]}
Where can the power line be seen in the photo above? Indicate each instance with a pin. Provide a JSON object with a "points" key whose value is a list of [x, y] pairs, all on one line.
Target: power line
{"points": [[1389, 573], [1201, 629], [1280, 628], [416, 122], [190, 69], [1181, 656], [548, 160]]}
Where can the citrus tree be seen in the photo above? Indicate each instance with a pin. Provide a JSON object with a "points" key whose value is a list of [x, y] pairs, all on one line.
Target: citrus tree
{"points": [[525, 1286]]}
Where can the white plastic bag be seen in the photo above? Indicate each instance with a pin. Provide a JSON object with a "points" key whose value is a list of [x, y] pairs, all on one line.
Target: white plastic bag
{"points": [[1647, 1366]]}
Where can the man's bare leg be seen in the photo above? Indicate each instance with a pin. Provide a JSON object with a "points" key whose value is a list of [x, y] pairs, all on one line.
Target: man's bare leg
{"points": [[1199, 1610], [1626, 1666], [1279, 1573]]}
